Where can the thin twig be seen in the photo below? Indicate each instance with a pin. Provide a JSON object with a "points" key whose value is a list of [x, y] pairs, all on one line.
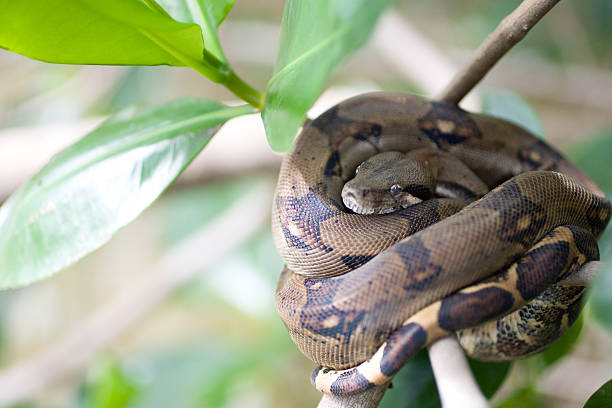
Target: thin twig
{"points": [[179, 264], [508, 33]]}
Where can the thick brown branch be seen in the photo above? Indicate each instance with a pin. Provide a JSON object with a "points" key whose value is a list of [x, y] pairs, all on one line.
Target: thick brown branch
{"points": [[510, 31]]}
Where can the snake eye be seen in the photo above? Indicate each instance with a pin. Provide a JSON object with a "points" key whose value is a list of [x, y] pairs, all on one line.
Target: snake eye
{"points": [[395, 190]]}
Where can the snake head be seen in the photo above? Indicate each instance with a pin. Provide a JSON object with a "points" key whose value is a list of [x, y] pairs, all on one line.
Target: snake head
{"points": [[388, 182]]}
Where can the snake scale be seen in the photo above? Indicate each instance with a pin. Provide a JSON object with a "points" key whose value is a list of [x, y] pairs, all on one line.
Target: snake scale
{"points": [[483, 223]]}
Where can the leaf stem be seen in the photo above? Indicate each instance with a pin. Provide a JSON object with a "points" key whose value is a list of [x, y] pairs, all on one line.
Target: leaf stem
{"points": [[214, 70], [244, 91]]}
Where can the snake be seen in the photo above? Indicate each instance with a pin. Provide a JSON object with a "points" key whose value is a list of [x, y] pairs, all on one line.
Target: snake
{"points": [[402, 220]]}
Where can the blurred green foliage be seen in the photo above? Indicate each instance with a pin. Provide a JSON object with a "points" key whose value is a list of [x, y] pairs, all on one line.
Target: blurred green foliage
{"points": [[133, 89], [231, 367], [189, 209], [414, 385], [560, 347], [575, 32], [595, 17], [526, 397], [109, 386], [594, 157], [510, 106], [489, 376]]}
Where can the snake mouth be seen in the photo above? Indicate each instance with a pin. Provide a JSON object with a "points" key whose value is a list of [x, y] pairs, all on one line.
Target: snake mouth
{"points": [[352, 203]]}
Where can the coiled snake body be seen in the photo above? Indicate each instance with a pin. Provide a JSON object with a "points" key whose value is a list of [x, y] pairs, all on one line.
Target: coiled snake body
{"points": [[362, 293]]}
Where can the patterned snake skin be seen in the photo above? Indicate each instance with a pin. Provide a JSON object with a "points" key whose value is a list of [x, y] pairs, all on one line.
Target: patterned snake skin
{"points": [[362, 293]]}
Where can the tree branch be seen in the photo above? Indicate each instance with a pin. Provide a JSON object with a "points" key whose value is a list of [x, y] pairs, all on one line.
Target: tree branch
{"points": [[454, 379], [508, 33]]}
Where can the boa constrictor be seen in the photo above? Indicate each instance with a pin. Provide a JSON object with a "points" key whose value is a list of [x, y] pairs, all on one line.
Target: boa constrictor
{"points": [[362, 293]]}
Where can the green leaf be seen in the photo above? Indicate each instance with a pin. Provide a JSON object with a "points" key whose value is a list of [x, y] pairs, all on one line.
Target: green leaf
{"points": [[96, 186], [315, 36], [414, 385], [208, 14], [510, 106], [117, 32], [489, 376], [602, 398], [109, 386]]}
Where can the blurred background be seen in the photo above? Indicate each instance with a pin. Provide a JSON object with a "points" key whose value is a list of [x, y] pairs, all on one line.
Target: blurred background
{"points": [[121, 328]]}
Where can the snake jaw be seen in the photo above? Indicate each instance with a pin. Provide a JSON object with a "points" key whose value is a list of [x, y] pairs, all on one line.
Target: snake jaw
{"points": [[359, 206]]}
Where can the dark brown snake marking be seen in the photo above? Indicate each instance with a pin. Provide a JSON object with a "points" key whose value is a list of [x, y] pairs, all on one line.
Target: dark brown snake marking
{"points": [[362, 293]]}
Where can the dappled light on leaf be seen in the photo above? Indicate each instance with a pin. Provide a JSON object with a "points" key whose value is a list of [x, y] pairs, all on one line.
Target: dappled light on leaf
{"points": [[93, 188]]}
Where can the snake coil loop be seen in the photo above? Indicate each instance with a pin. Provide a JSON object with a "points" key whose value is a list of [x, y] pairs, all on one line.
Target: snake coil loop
{"points": [[480, 233]]}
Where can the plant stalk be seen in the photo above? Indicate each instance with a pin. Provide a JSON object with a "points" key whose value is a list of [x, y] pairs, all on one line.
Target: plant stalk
{"points": [[214, 70], [244, 91]]}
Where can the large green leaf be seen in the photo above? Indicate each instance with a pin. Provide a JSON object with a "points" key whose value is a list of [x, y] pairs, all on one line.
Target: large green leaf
{"points": [[93, 188], [208, 14], [315, 36], [118, 32], [602, 398]]}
